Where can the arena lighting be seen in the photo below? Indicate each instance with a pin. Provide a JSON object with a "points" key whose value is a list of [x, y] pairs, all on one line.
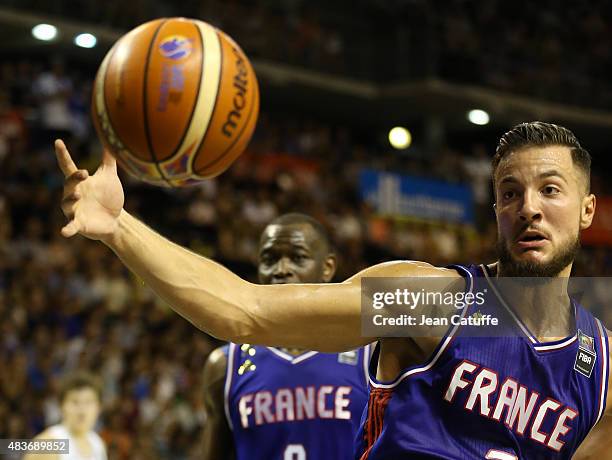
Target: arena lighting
{"points": [[478, 117], [85, 40], [400, 138], [44, 32]]}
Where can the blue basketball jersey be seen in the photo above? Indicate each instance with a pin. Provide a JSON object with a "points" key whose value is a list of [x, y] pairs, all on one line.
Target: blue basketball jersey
{"points": [[504, 398], [285, 407]]}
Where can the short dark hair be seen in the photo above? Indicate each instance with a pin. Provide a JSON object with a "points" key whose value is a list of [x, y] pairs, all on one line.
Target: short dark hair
{"points": [[293, 218], [80, 380], [538, 133]]}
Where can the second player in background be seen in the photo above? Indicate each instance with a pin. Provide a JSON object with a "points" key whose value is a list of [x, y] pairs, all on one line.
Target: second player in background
{"points": [[266, 403]]}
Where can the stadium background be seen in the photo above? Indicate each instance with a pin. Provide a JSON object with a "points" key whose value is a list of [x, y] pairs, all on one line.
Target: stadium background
{"points": [[334, 79]]}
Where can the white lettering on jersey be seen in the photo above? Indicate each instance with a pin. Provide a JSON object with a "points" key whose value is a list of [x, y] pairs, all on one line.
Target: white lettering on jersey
{"points": [[305, 403], [482, 391], [294, 404], [507, 396], [244, 409], [522, 409], [284, 405], [456, 381], [536, 435], [263, 401], [519, 402], [341, 403], [322, 411], [561, 428]]}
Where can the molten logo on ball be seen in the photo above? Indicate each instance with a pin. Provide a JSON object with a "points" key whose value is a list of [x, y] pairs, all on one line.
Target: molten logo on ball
{"points": [[239, 101], [175, 47]]}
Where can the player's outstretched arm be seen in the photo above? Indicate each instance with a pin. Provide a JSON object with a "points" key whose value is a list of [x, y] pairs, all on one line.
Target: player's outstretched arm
{"points": [[323, 317], [217, 441]]}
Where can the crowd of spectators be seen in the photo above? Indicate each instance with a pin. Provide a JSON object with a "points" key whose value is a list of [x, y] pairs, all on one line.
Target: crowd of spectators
{"points": [[67, 305], [549, 49]]}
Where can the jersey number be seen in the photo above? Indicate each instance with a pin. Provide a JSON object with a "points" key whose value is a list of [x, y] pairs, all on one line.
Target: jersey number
{"points": [[294, 452], [500, 455]]}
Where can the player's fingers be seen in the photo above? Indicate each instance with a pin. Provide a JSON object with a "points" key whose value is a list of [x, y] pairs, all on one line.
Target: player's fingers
{"points": [[76, 177], [70, 229], [74, 196], [69, 206], [72, 183], [68, 211], [108, 160], [64, 160]]}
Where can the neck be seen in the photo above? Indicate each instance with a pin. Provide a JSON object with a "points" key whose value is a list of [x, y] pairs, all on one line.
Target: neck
{"points": [[293, 351], [77, 433], [542, 304]]}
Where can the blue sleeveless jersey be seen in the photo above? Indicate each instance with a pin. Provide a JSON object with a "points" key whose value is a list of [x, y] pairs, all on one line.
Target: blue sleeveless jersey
{"points": [[285, 407], [503, 398]]}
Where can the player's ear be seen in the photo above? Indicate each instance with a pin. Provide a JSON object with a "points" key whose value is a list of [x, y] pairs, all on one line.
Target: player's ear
{"points": [[587, 211], [329, 267], [494, 197]]}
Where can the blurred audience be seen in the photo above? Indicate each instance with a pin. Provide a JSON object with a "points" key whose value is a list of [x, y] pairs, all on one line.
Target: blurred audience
{"points": [[532, 48]]}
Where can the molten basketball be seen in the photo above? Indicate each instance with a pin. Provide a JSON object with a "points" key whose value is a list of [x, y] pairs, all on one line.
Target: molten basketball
{"points": [[176, 101]]}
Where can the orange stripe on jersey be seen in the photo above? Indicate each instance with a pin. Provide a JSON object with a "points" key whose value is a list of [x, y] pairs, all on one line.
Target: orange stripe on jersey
{"points": [[379, 398]]}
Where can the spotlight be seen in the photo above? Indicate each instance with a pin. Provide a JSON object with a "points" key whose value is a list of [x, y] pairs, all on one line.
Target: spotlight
{"points": [[400, 138], [478, 117], [44, 32], [85, 40]]}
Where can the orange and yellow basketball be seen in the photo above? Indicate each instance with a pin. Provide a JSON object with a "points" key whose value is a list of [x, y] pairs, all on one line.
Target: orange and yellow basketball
{"points": [[176, 101]]}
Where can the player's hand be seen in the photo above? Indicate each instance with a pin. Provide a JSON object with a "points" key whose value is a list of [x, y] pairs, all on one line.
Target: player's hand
{"points": [[92, 204]]}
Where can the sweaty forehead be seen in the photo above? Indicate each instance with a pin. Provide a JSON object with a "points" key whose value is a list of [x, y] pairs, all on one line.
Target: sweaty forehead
{"points": [[532, 161], [294, 234]]}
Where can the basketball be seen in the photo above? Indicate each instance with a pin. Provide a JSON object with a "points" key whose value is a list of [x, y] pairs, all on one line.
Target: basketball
{"points": [[175, 101]]}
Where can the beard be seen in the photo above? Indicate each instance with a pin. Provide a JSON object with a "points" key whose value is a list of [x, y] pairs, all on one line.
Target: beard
{"points": [[511, 267]]}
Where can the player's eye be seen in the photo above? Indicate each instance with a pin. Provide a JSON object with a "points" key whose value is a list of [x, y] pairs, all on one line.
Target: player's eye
{"points": [[508, 195], [550, 190], [299, 258], [266, 259]]}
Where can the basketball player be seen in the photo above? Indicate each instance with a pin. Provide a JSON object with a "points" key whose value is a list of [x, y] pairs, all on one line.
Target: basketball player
{"points": [[80, 404], [450, 397], [285, 404]]}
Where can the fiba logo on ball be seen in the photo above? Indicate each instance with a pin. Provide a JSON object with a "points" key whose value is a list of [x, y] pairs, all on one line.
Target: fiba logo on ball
{"points": [[175, 47], [192, 113]]}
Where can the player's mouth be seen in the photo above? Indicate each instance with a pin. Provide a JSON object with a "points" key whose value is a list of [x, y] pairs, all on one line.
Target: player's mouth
{"points": [[531, 239], [280, 281]]}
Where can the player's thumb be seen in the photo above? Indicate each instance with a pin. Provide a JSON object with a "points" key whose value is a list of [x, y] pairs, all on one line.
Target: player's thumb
{"points": [[70, 229], [108, 160]]}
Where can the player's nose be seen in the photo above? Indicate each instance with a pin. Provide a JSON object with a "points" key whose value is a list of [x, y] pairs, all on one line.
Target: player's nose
{"points": [[282, 269], [530, 207]]}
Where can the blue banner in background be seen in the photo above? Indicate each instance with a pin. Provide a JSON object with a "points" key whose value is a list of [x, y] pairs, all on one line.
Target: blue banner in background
{"points": [[395, 194]]}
